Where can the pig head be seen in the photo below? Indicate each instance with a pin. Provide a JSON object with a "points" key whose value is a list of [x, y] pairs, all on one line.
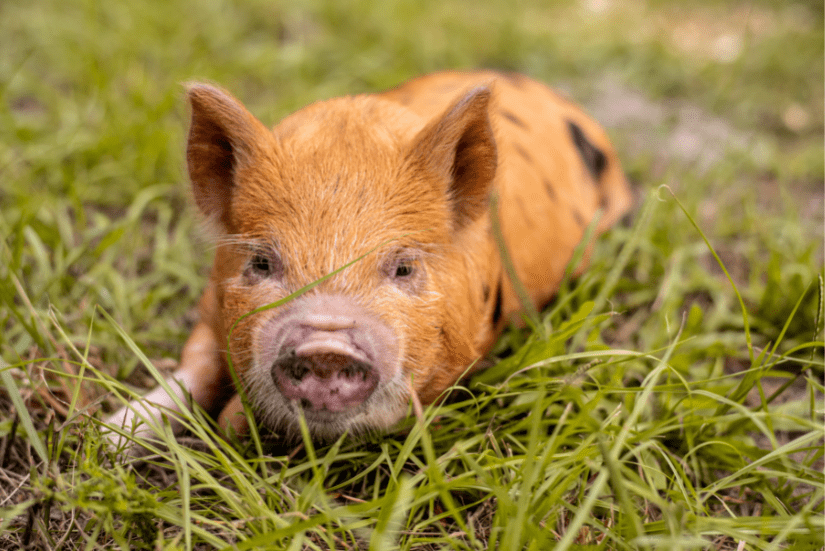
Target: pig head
{"points": [[351, 178]]}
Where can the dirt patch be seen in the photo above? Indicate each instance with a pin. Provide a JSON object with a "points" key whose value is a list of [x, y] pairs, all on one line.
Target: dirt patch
{"points": [[671, 130], [685, 134]]}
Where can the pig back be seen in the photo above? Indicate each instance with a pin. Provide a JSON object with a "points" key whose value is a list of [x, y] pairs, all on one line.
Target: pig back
{"points": [[557, 171]]}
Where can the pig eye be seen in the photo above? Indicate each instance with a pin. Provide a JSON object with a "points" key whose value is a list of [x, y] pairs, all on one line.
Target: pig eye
{"points": [[404, 269], [263, 264], [260, 264]]}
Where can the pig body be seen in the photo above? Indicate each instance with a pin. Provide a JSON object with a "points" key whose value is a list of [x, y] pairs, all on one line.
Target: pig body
{"points": [[404, 179]]}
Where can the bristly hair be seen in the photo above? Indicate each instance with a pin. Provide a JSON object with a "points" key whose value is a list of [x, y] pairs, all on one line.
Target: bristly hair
{"points": [[211, 230], [240, 242]]}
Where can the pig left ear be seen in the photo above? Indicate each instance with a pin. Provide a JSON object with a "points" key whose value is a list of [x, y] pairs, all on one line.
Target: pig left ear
{"points": [[459, 148]]}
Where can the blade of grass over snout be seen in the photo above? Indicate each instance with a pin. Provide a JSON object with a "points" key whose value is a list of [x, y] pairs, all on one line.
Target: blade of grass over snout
{"points": [[256, 438], [524, 298]]}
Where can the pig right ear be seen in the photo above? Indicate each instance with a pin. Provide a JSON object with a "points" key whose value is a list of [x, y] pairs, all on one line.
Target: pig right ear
{"points": [[459, 148], [223, 137]]}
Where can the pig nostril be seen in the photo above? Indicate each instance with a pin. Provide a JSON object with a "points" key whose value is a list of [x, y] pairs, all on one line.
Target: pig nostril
{"points": [[324, 382], [295, 369]]}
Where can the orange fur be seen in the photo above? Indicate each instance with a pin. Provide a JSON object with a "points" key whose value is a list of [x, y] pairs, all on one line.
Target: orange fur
{"points": [[414, 166]]}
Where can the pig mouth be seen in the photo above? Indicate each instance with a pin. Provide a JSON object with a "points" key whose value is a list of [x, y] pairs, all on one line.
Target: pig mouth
{"points": [[326, 375]]}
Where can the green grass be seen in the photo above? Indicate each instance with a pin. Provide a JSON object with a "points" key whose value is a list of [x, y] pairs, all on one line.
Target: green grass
{"points": [[677, 402]]}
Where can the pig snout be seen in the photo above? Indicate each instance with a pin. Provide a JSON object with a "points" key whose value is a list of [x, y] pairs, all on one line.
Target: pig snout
{"points": [[331, 356], [325, 371]]}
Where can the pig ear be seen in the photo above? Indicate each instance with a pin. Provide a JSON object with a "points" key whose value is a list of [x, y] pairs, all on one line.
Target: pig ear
{"points": [[223, 136], [460, 148]]}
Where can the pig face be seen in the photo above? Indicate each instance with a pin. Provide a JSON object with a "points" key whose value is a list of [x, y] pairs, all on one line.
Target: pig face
{"points": [[351, 178]]}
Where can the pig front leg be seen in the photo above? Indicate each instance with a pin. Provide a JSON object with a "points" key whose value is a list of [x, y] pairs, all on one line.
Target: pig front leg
{"points": [[202, 374], [232, 419]]}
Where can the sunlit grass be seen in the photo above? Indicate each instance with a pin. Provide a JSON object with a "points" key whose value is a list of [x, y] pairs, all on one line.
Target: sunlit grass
{"points": [[661, 412]]}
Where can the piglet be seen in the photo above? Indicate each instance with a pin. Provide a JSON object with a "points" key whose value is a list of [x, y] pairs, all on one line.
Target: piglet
{"points": [[401, 182]]}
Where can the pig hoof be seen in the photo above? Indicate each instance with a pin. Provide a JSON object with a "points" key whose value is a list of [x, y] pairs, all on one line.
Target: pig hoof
{"points": [[331, 382]]}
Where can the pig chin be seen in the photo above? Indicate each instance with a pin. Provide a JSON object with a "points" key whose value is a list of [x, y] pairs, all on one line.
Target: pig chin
{"points": [[332, 360]]}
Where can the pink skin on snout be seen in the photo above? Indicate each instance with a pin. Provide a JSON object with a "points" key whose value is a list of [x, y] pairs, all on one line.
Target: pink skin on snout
{"points": [[328, 353]]}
